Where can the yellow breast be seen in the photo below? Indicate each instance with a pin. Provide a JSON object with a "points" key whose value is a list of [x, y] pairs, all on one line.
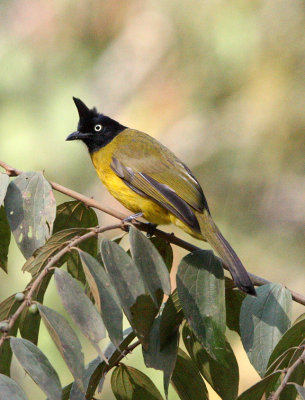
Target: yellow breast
{"points": [[134, 202]]}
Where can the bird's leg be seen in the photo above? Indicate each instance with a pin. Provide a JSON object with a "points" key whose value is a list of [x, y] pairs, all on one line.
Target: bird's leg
{"points": [[132, 217], [151, 229]]}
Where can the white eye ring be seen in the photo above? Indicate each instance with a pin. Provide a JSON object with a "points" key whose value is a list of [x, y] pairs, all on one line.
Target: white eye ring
{"points": [[98, 128]]}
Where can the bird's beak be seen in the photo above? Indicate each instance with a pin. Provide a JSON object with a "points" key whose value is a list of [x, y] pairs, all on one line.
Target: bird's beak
{"points": [[74, 136]]}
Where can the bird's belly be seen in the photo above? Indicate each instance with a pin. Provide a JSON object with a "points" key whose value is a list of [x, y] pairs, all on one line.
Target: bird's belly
{"points": [[134, 202]]}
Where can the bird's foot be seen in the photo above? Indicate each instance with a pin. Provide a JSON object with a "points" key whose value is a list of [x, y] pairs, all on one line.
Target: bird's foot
{"points": [[132, 217], [151, 229]]}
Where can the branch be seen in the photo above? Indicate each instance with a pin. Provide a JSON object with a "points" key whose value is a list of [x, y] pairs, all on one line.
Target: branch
{"points": [[289, 371], [28, 298], [89, 202]]}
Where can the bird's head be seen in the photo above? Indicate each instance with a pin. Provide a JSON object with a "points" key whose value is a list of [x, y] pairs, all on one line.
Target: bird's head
{"points": [[94, 129]]}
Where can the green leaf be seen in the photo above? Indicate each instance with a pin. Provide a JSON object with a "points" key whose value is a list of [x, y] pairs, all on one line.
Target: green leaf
{"points": [[74, 214], [8, 308], [38, 261], [4, 182], [66, 341], [96, 370], [30, 323], [297, 376], [171, 318], [105, 296], [200, 285], [150, 264], [130, 383], [165, 359], [81, 309], [38, 367], [293, 337], [30, 209], [187, 380], [5, 238], [222, 374], [10, 390], [66, 392], [263, 321], [300, 390], [126, 279], [165, 250], [263, 387], [234, 299]]}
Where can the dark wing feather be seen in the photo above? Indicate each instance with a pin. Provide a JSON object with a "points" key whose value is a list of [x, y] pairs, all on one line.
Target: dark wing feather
{"points": [[151, 170]]}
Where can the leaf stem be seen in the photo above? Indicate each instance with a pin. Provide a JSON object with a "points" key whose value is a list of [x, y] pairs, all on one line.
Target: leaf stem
{"points": [[90, 202], [288, 372]]}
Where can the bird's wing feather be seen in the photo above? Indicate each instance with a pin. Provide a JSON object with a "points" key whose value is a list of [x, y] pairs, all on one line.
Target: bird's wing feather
{"points": [[152, 170]]}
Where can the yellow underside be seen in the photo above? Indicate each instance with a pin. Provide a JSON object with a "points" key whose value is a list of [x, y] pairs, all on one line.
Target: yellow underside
{"points": [[134, 202]]}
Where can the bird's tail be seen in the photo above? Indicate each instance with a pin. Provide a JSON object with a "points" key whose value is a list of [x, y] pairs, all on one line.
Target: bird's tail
{"points": [[213, 235]]}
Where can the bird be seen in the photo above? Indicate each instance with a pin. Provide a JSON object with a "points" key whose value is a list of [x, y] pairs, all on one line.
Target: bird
{"points": [[150, 181]]}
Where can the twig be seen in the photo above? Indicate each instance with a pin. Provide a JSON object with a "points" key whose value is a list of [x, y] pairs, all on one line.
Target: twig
{"points": [[46, 270], [128, 350], [289, 371], [257, 280]]}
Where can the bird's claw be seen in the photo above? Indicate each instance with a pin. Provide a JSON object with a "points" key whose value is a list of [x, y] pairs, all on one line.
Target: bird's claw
{"points": [[132, 217]]}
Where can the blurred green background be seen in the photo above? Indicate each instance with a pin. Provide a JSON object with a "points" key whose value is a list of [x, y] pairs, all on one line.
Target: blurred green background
{"points": [[219, 82]]}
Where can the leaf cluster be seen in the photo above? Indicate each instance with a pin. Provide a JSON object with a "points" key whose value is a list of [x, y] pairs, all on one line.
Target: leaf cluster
{"points": [[102, 282]]}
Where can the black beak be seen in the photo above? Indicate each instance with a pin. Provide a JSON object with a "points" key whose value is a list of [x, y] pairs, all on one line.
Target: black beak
{"points": [[74, 136]]}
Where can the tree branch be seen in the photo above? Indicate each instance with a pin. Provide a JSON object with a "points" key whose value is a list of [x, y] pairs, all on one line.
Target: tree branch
{"points": [[289, 371], [28, 298], [89, 202]]}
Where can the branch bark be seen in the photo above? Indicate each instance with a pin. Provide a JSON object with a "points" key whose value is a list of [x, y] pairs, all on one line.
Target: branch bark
{"points": [[89, 202], [289, 371], [28, 298]]}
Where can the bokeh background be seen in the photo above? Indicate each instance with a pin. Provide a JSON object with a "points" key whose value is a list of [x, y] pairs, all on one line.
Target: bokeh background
{"points": [[220, 82]]}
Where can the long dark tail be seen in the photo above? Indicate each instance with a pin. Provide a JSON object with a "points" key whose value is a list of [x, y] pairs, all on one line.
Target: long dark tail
{"points": [[213, 235]]}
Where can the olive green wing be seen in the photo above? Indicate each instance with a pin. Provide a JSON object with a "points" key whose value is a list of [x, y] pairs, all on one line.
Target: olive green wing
{"points": [[153, 171]]}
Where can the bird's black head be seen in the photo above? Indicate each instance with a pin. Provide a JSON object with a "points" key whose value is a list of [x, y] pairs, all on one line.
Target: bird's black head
{"points": [[94, 129]]}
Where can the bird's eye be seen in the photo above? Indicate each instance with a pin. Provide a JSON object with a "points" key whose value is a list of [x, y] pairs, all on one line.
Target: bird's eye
{"points": [[98, 128]]}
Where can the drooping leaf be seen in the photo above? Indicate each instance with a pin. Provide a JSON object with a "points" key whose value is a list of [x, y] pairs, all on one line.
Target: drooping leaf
{"points": [[81, 309], [200, 285], [222, 374], [293, 337], [131, 384], [66, 341], [150, 264], [5, 238], [10, 390], [105, 296], [8, 308], [37, 366], [187, 380], [126, 279], [96, 370], [171, 318], [30, 209], [4, 182], [263, 387], [165, 359], [74, 214], [234, 299], [30, 323], [263, 321], [165, 250], [56, 242]]}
